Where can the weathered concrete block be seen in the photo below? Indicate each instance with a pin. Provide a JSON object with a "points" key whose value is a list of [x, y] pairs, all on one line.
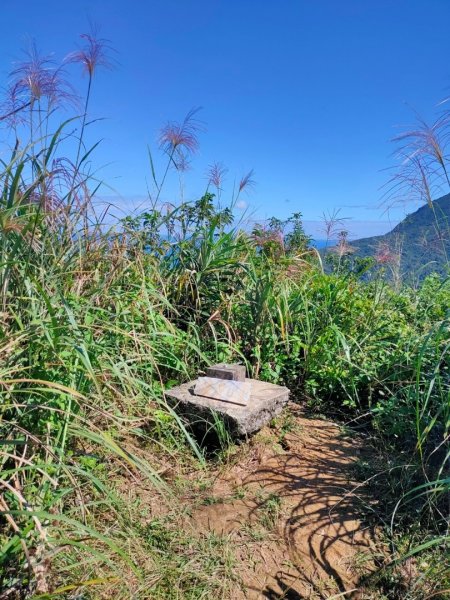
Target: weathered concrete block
{"points": [[224, 389], [224, 371], [265, 402]]}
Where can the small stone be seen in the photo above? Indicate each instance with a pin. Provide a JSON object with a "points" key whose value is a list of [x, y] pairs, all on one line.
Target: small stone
{"points": [[223, 371], [226, 390]]}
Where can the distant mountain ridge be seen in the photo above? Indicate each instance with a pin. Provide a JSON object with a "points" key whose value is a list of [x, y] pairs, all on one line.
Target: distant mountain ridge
{"points": [[421, 241]]}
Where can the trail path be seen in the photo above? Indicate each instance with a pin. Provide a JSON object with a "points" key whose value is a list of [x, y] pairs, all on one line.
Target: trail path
{"points": [[293, 515]]}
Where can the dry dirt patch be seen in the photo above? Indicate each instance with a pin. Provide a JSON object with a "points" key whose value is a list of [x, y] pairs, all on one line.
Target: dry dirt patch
{"points": [[293, 513]]}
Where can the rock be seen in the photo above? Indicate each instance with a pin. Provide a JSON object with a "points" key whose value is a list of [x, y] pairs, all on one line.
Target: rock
{"points": [[227, 390], [265, 402], [224, 371]]}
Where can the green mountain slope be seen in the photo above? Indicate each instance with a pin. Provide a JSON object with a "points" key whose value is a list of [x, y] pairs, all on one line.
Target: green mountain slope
{"points": [[421, 242]]}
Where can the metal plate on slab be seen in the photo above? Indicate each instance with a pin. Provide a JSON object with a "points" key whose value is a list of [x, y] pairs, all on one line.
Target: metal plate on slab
{"points": [[227, 390]]}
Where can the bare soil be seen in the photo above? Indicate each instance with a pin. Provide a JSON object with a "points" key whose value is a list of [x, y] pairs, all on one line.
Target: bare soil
{"points": [[294, 514]]}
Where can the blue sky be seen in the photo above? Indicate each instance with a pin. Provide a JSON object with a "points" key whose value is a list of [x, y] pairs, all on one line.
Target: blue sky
{"points": [[307, 93]]}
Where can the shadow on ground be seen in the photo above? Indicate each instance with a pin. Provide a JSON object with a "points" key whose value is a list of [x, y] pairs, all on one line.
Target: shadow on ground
{"points": [[295, 516]]}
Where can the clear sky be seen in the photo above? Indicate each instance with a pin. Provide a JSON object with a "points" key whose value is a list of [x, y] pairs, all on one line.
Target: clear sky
{"points": [[308, 93]]}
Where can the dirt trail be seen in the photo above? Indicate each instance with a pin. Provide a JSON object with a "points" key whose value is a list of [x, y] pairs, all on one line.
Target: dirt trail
{"points": [[291, 514]]}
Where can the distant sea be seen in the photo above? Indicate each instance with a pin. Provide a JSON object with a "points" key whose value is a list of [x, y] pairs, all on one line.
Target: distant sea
{"points": [[322, 243]]}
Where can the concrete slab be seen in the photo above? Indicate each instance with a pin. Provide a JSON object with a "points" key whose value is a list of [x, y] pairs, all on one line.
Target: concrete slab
{"points": [[266, 401], [224, 371], [237, 392]]}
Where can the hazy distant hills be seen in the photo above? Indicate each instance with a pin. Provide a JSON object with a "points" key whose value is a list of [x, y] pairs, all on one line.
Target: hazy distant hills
{"points": [[421, 241]]}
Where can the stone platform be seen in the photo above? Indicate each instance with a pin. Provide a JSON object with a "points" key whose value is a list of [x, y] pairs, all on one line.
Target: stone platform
{"points": [[266, 401]]}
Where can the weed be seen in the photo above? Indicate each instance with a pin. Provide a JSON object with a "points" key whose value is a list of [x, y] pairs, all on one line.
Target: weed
{"points": [[239, 493], [269, 508], [210, 500], [255, 532]]}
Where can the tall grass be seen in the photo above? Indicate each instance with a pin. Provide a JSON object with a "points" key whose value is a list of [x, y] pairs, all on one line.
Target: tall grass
{"points": [[85, 348]]}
